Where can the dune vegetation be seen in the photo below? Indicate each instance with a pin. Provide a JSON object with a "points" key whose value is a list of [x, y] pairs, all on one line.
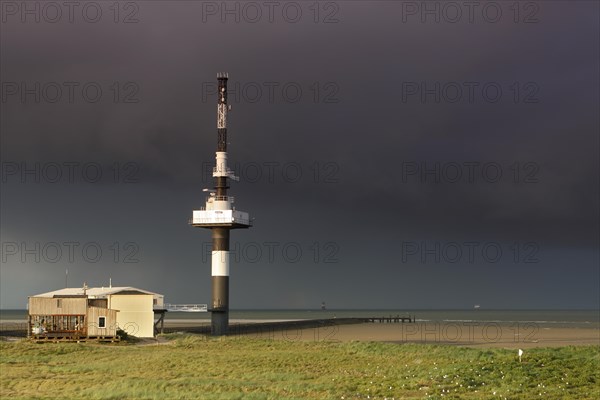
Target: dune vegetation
{"points": [[198, 367]]}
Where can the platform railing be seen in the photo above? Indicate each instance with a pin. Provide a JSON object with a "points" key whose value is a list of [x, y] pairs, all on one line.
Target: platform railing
{"points": [[192, 221], [183, 307]]}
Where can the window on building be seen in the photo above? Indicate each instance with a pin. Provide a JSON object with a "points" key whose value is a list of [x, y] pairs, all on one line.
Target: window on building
{"points": [[101, 322], [58, 303]]}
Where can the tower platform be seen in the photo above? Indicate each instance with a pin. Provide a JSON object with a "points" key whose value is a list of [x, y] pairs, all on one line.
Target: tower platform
{"points": [[232, 219]]}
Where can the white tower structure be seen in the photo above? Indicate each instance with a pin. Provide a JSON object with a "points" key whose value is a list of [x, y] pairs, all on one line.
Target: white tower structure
{"points": [[220, 215]]}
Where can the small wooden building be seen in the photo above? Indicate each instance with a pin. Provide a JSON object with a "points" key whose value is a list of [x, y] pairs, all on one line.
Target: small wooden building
{"points": [[92, 313]]}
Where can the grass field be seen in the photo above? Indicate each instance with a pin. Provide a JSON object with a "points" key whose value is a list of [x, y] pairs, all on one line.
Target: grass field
{"points": [[196, 367]]}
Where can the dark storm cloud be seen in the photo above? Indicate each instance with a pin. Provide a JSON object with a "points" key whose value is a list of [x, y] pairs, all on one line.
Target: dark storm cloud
{"points": [[361, 143]]}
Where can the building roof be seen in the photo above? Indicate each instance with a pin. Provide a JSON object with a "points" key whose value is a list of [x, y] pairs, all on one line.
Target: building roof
{"points": [[96, 292]]}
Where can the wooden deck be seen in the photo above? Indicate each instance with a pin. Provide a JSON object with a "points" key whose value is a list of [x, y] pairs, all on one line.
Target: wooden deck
{"points": [[65, 337]]}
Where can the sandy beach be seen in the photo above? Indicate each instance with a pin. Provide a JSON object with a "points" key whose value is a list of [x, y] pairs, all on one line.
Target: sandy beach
{"points": [[461, 333]]}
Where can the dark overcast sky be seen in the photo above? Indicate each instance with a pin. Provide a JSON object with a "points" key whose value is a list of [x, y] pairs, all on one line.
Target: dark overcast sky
{"points": [[390, 160]]}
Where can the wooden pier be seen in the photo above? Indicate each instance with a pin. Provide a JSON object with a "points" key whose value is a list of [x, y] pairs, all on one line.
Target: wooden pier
{"points": [[391, 319]]}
